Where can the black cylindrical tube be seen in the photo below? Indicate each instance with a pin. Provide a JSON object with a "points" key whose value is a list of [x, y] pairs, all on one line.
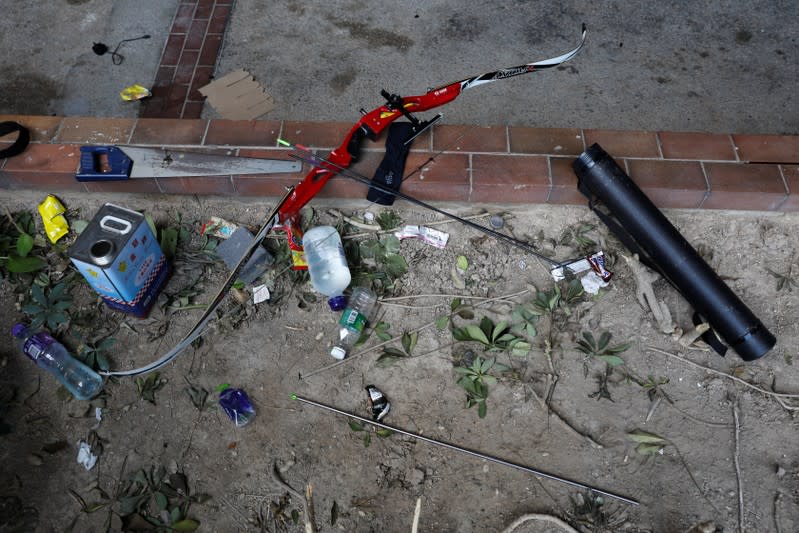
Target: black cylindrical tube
{"points": [[667, 248]]}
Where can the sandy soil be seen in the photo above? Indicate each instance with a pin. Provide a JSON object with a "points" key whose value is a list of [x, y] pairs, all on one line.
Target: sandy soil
{"points": [[698, 473]]}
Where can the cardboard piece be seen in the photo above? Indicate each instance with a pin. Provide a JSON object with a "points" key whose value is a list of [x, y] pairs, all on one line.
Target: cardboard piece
{"points": [[237, 96]]}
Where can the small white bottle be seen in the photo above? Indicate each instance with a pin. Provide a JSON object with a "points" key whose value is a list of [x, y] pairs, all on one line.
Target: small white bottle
{"points": [[327, 264], [353, 320]]}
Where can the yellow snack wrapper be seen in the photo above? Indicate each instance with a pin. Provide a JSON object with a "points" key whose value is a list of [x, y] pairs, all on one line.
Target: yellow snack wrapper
{"points": [[135, 92], [55, 225]]}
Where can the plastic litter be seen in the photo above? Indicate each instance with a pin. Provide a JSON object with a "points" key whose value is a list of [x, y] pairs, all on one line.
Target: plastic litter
{"points": [[135, 92], [379, 406], [52, 212], [218, 227], [236, 404], [427, 235], [85, 455]]}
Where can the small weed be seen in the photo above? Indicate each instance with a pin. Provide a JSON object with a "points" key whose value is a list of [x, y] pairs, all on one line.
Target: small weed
{"points": [[278, 515], [600, 349], [198, 396], [554, 299], [787, 280], [602, 382], [376, 263], [457, 308], [475, 379], [391, 355], [94, 354], [48, 306], [388, 220], [357, 426], [494, 337], [149, 386], [577, 237], [17, 241]]}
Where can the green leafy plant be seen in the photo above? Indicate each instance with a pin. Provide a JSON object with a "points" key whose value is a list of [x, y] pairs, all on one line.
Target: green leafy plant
{"points": [[376, 263], [576, 236], [94, 354], [149, 386], [17, 240], [48, 306], [198, 396], [475, 380], [388, 220], [358, 426], [148, 499], [457, 308], [494, 337], [600, 349], [391, 355], [525, 317]]}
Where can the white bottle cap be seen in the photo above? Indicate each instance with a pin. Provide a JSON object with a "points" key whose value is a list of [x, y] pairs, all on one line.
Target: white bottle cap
{"points": [[338, 352]]}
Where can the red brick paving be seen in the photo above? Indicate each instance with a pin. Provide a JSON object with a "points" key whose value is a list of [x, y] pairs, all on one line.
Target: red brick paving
{"points": [[188, 60]]}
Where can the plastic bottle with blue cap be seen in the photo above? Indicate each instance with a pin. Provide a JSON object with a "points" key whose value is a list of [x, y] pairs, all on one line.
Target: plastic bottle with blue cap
{"points": [[327, 264]]}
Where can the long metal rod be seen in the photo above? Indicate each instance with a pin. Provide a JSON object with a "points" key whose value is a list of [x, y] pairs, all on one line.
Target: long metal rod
{"points": [[353, 175], [467, 451]]}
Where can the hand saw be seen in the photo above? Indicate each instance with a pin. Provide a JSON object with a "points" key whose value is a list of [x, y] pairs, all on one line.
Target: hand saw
{"points": [[114, 163]]}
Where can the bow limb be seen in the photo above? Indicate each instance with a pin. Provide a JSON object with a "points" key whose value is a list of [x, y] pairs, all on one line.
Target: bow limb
{"points": [[375, 121]]}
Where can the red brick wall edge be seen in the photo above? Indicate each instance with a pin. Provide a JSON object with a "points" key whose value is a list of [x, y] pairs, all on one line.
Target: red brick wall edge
{"points": [[495, 164]]}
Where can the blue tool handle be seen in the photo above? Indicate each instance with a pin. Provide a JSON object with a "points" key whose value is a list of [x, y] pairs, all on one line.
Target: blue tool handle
{"points": [[103, 163]]}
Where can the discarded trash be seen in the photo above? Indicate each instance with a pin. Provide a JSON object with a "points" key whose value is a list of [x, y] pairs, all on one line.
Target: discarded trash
{"points": [[294, 235], [135, 92], [591, 283], [353, 320], [237, 96], [260, 294], [236, 404], [576, 267], [427, 235], [467, 451], [52, 212], [496, 222], [85, 455], [119, 256], [379, 405], [327, 264], [116, 57], [644, 230], [218, 227], [234, 247], [597, 277], [80, 380]]}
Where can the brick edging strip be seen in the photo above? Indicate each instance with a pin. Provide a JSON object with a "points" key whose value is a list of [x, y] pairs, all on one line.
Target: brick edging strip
{"points": [[495, 164]]}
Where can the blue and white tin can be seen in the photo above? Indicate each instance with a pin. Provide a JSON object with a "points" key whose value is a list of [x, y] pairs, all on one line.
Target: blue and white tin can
{"points": [[120, 257]]}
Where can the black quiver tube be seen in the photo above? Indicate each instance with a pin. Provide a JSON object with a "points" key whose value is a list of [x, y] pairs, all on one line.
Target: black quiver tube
{"points": [[635, 220]]}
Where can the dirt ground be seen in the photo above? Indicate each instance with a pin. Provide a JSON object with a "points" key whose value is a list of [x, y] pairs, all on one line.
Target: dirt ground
{"points": [[700, 471]]}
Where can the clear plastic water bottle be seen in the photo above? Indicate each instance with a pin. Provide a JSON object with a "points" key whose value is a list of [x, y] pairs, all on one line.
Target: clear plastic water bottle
{"points": [[83, 382], [353, 320], [236, 404], [327, 264]]}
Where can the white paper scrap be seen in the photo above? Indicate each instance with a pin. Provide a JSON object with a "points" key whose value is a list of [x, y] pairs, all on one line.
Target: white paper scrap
{"points": [[260, 294], [427, 235], [85, 455]]}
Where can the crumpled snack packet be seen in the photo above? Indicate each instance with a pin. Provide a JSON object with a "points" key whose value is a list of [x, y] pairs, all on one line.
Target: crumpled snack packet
{"points": [[55, 225], [135, 92]]}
